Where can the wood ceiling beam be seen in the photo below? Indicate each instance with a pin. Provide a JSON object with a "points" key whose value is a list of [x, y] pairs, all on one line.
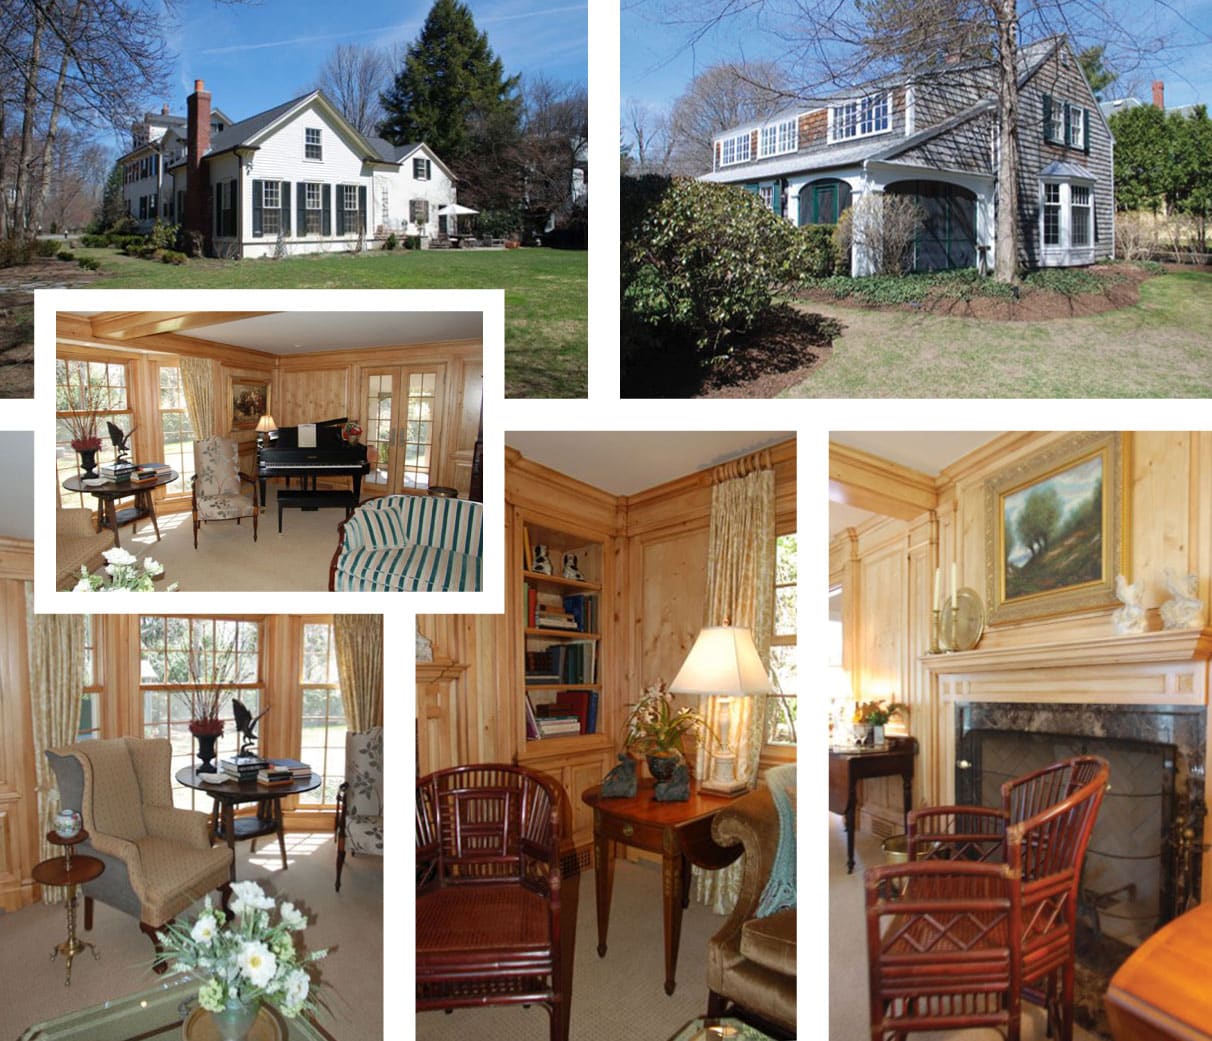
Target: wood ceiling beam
{"points": [[131, 325], [860, 479]]}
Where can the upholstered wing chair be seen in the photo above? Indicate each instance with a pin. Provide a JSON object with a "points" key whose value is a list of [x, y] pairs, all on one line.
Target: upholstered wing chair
{"points": [[217, 484], [158, 859], [77, 544], [751, 960], [360, 797]]}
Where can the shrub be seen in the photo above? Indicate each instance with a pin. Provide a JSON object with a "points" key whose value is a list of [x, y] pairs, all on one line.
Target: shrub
{"points": [[172, 256], [46, 248], [127, 243], [14, 251], [66, 254], [573, 233], [823, 253], [94, 241], [498, 223], [412, 241], [638, 195], [1068, 281], [89, 263], [391, 242], [163, 236], [880, 227], [708, 258]]}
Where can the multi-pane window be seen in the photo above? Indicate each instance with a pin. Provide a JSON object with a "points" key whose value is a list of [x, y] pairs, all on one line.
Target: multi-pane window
{"points": [[420, 169], [379, 434], [312, 197], [82, 389], [766, 194], [859, 118], [418, 211], [778, 138], [735, 149], [1052, 210], [349, 203], [418, 437], [311, 143], [271, 207], [1077, 125], [196, 656], [227, 208], [323, 741], [175, 429], [90, 703], [1079, 215], [781, 706]]}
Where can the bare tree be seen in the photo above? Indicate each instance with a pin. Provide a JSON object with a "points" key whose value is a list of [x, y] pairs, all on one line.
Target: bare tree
{"points": [[648, 129], [720, 97], [555, 135], [354, 78], [827, 47]]}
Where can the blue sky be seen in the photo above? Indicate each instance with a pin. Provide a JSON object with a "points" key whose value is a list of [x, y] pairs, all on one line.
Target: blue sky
{"points": [[657, 63], [255, 56]]}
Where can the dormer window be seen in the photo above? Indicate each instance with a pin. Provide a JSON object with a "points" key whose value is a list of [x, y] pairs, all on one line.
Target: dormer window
{"points": [[421, 169], [860, 118], [311, 143], [735, 149], [778, 138]]}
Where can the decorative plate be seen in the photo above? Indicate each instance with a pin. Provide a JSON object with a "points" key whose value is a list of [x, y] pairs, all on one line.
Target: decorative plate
{"points": [[962, 621]]}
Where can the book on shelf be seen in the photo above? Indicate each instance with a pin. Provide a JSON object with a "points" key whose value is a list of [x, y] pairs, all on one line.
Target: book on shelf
{"points": [[584, 610], [576, 702], [532, 723], [550, 726]]}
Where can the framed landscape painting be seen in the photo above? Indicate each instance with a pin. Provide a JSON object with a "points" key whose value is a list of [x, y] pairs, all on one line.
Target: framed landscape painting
{"points": [[249, 402], [1056, 529]]}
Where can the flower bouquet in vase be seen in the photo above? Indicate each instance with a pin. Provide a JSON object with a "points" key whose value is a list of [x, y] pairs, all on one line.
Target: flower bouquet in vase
{"points": [[253, 960], [125, 573], [656, 730], [351, 431]]}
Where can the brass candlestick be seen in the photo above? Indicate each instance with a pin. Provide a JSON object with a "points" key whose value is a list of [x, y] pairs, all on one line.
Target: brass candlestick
{"points": [[934, 631]]}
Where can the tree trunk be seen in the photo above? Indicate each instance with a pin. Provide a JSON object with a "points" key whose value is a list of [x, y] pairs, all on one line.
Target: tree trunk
{"points": [[1005, 264], [52, 128], [29, 115]]}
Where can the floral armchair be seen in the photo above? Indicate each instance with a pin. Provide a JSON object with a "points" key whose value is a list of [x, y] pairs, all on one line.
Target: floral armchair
{"points": [[217, 484], [360, 797]]}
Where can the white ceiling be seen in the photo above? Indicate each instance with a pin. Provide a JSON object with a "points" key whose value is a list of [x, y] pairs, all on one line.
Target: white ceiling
{"points": [[626, 462], [17, 479], [307, 332], [927, 451]]}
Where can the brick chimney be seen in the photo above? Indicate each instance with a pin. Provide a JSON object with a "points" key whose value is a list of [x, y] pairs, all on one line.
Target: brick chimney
{"points": [[1159, 94], [197, 138]]}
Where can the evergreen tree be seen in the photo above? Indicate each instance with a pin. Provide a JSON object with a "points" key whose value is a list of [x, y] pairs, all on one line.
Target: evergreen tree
{"points": [[113, 205], [452, 92]]}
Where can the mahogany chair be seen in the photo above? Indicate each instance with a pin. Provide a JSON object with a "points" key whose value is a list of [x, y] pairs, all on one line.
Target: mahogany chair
{"points": [[488, 892], [936, 964]]}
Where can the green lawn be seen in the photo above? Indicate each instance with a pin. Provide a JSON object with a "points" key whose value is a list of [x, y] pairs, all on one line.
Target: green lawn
{"points": [[546, 296], [1162, 347]]}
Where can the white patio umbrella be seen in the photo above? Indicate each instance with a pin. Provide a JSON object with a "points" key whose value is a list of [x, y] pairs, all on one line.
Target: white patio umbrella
{"points": [[455, 210]]}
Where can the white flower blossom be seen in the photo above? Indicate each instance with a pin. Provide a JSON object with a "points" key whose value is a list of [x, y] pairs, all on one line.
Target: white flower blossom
{"points": [[257, 963], [118, 557], [248, 896], [295, 989], [292, 917], [152, 567], [204, 929]]}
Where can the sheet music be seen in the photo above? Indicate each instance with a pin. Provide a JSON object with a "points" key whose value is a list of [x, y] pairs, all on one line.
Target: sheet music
{"points": [[307, 435]]}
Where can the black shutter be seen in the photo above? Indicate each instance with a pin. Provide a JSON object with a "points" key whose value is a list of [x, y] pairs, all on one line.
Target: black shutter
{"points": [[1047, 117], [1085, 130], [1068, 128], [301, 207], [326, 227], [219, 229], [235, 209], [362, 208], [286, 209], [428, 170], [340, 193], [257, 232]]}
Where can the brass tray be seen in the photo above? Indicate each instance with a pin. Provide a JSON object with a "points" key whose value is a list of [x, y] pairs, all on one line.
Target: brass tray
{"points": [[200, 1027]]}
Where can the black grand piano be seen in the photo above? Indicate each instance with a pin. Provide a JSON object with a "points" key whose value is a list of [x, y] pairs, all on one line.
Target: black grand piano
{"points": [[331, 456]]}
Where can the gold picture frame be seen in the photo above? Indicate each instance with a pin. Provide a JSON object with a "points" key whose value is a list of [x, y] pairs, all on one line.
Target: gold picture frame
{"points": [[1056, 529], [249, 401]]}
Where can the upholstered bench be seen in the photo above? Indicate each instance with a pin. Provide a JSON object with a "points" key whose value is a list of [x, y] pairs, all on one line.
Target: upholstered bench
{"points": [[401, 543]]}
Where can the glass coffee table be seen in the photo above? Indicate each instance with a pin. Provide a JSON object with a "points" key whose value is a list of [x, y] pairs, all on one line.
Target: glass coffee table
{"points": [[708, 1029], [150, 1015]]}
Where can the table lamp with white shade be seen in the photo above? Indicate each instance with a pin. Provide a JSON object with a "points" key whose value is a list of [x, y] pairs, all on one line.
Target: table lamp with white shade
{"points": [[725, 663], [264, 425]]}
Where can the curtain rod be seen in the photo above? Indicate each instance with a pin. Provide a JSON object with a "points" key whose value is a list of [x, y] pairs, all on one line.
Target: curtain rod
{"points": [[742, 467]]}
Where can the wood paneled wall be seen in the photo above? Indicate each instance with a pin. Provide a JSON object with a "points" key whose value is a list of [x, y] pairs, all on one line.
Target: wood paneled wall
{"points": [[18, 801], [886, 569]]}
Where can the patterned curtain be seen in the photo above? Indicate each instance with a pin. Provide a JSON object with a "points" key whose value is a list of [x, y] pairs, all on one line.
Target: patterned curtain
{"points": [[56, 680], [198, 383], [740, 588], [359, 639]]}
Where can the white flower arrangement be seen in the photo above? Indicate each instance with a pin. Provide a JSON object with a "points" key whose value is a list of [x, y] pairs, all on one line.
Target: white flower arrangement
{"points": [[124, 574], [251, 959]]}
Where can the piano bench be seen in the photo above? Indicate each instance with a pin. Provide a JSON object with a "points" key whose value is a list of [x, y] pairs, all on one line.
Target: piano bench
{"points": [[314, 500]]}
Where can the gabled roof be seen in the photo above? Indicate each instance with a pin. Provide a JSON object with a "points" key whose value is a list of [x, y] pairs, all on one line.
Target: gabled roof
{"points": [[399, 154]]}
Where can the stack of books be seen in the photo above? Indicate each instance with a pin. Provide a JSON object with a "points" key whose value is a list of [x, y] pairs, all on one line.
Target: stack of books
{"points": [[273, 775], [556, 726], [117, 471], [243, 767], [297, 769], [554, 618]]}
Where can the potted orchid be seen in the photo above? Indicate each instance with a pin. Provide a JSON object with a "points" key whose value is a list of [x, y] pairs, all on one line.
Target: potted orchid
{"points": [[124, 573], [655, 729], [250, 960]]}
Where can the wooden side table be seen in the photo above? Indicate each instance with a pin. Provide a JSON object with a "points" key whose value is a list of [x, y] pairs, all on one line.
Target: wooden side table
{"points": [[70, 872], [849, 766], [679, 831]]}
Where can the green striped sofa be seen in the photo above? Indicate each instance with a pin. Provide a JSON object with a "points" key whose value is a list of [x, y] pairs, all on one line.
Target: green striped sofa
{"points": [[405, 543]]}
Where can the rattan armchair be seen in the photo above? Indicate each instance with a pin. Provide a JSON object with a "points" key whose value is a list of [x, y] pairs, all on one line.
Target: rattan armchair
{"points": [[488, 892], [990, 885]]}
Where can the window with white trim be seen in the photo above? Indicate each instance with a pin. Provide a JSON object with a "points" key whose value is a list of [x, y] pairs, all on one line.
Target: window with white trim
{"points": [[781, 705], [271, 207], [322, 743], [1052, 214], [1077, 126], [766, 194], [349, 197], [778, 138], [1067, 216], [1079, 215], [312, 149], [90, 701], [860, 118], [311, 203], [735, 149], [420, 169]]}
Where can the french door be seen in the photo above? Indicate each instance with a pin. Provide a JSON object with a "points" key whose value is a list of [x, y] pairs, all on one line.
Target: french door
{"points": [[401, 409]]}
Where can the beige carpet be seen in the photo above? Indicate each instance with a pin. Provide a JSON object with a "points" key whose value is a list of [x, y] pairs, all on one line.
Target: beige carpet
{"points": [[227, 559], [848, 1016], [619, 996], [350, 922]]}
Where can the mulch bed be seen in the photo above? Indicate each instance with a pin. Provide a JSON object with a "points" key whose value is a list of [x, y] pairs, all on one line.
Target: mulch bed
{"points": [[1121, 289], [787, 345]]}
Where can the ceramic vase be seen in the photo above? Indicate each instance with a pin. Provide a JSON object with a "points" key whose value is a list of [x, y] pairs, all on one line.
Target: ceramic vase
{"points": [[236, 1020], [661, 766], [67, 824], [877, 735]]}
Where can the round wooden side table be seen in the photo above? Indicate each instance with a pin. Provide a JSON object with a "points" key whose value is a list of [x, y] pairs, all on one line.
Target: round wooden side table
{"points": [[69, 871]]}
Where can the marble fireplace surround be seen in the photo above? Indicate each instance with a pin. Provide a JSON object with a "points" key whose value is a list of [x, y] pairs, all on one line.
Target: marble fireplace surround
{"points": [[1166, 670]]}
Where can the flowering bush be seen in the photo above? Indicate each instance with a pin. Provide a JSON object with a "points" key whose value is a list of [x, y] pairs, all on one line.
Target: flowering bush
{"points": [[249, 959], [654, 727], [124, 573]]}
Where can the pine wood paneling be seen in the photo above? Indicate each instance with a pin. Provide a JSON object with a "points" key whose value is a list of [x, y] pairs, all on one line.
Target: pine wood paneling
{"points": [[18, 802], [313, 395]]}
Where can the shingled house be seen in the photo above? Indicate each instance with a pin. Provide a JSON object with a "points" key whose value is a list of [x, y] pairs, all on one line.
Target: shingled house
{"points": [[935, 139]]}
